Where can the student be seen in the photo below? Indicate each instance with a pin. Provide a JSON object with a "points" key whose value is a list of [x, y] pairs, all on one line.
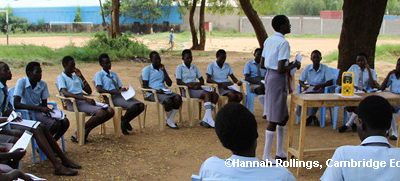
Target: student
{"points": [[314, 79], [375, 115], [44, 139], [236, 128], [31, 93], [171, 39], [154, 76], [71, 83], [392, 80], [188, 74], [276, 55], [254, 73], [218, 73], [107, 81], [364, 81]]}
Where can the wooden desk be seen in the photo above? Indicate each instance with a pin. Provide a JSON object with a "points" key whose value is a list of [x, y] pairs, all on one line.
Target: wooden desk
{"points": [[321, 100]]}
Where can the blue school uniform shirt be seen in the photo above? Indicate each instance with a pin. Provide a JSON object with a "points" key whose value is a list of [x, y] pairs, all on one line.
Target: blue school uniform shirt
{"points": [[219, 74], [276, 48], [29, 95], [361, 77], [154, 77], [186, 74], [254, 69], [108, 81], [4, 104], [316, 77], [73, 84], [394, 84]]}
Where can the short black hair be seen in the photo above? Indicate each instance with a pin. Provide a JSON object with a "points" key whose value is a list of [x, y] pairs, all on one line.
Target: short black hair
{"points": [[258, 49], [66, 60], [220, 52], [186, 51], [30, 66], [316, 51], [236, 127], [103, 56], [363, 54], [152, 53], [278, 21], [2, 63], [375, 112]]}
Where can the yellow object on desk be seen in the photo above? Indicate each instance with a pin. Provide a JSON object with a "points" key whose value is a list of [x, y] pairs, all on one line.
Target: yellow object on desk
{"points": [[347, 84]]}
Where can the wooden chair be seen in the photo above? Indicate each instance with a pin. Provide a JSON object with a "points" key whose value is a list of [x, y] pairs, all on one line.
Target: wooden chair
{"points": [[224, 99], [191, 102]]}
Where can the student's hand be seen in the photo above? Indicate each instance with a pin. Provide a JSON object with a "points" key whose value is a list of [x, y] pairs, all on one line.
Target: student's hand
{"points": [[223, 86], [3, 149], [159, 91], [90, 101], [239, 83], [18, 154], [318, 87], [162, 66], [45, 110], [78, 72], [123, 89], [297, 64], [367, 66]]}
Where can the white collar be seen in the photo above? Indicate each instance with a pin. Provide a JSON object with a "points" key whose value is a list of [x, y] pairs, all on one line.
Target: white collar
{"points": [[184, 65], [312, 68], [216, 64], [28, 83], [375, 139], [106, 72], [243, 158], [279, 34], [1, 85]]}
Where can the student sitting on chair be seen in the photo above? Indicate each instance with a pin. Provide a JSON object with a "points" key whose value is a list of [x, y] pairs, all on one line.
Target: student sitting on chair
{"points": [[314, 79], [375, 115], [254, 73], [44, 139], [236, 128], [31, 93], [154, 76], [364, 81], [392, 80], [218, 73], [188, 74], [71, 83], [107, 81]]}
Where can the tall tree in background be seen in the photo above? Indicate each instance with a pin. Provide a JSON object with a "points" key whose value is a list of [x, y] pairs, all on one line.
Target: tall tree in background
{"points": [[195, 40], [202, 31], [103, 18], [115, 31], [255, 21], [362, 20]]}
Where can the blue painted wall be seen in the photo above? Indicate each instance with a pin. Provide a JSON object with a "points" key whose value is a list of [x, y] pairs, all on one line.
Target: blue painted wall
{"points": [[88, 14]]}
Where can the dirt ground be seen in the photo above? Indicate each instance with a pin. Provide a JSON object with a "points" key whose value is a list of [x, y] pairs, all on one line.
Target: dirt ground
{"points": [[172, 154]]}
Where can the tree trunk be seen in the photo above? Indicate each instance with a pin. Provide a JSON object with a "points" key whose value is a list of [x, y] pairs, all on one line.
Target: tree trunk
{"points": [[115, 32], [104, 24], [362, 20], [255, 21], [195, 41], [201, 25]]}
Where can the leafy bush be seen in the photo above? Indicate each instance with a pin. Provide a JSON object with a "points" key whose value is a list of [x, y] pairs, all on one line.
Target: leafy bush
{"points": [[16, 24]]}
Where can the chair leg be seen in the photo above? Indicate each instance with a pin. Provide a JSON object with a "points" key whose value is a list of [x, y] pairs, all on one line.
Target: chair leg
{"points": [[81, 128], [63, 147], [144, 116], [322, 117], [117, 121], [33, 145], [160, 113], [180, 114], [140, 123], [190, 104], [199, 105]]}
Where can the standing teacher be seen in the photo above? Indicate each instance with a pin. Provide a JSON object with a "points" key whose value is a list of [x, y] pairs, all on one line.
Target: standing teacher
{"points": [[276, 55]]}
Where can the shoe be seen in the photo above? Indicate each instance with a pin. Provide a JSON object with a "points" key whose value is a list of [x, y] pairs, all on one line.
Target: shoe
{"points": [[65, 172], [309, 120], [315, 121], [393, 137], [72, 165], [74, 139], [129, 126], [124, 128], [264, 117], [173, 127], [354, 127], [280, 158], [205, 124], [342, 129]]}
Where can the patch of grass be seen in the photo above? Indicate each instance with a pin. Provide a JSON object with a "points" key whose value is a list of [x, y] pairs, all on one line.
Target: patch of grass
{"points": [[387, 52], [47, 34]]}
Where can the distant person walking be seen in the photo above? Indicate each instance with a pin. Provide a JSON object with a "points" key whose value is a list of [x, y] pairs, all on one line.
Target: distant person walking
{"points": [[171, 39]]}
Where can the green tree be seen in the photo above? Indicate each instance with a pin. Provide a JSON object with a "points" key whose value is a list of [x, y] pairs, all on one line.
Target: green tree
{"points": [[78, 17], [393, 7], [15, 24]]}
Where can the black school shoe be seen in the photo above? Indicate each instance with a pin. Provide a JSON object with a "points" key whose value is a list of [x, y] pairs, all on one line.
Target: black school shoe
{"points": [[124, 128], [392, 137], [280, 158], [354, 127], [312, 120], [342, 129], [176, 126], [204, 124]]}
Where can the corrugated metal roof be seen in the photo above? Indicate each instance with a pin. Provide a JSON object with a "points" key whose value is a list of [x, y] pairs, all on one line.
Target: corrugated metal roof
{"points": [[47, 3]]}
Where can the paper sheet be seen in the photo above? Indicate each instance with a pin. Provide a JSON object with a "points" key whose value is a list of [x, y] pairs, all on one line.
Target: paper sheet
{"points": [[353, 96], [298, 57], [22, 142], [33, 177], [14, 115], [263, 81], [166, 91], [234, 87], [130, 93], [207, 88], [26, 123], [58, 114], [101, 105]]}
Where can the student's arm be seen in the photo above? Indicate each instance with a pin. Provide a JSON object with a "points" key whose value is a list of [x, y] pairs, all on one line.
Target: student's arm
{"points": [[385, 82], [323, 85], [100, 89], [282, 68], [303, 84], [19, 105], [167, 79], [79, 97], [86, 86], [235, 80], [371, 81]]}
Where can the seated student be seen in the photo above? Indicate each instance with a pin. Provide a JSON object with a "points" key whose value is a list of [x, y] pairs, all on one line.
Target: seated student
{"points": [[107, 81], [236, 128], [187, 74], [31, 93], [9, 174], [218, 73], [314, 79], [254, 73], [42, 135], [154, 76], [364, 81], [392, 80], [71, 83], [375, 115]]}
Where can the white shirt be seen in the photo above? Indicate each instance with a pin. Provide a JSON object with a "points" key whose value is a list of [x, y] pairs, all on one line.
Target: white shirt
{"points": [[366, 152], [276, 48], [361, 77], [215, 168]]}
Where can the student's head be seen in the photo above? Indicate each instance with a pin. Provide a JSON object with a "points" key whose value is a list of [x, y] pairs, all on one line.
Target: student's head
{"points": [[34, 71], [5, 72], [375, 116], [221, 56], [316, 57], [257, 54], [236, 128], [155, 58], [398, 65], [105, 62], [281, 24], [69, 64], [187, 56], [361, 59]]}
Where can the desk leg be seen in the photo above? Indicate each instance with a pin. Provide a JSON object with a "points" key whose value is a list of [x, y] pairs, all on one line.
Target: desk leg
{"points": [[292, 116], [302, 135]]}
